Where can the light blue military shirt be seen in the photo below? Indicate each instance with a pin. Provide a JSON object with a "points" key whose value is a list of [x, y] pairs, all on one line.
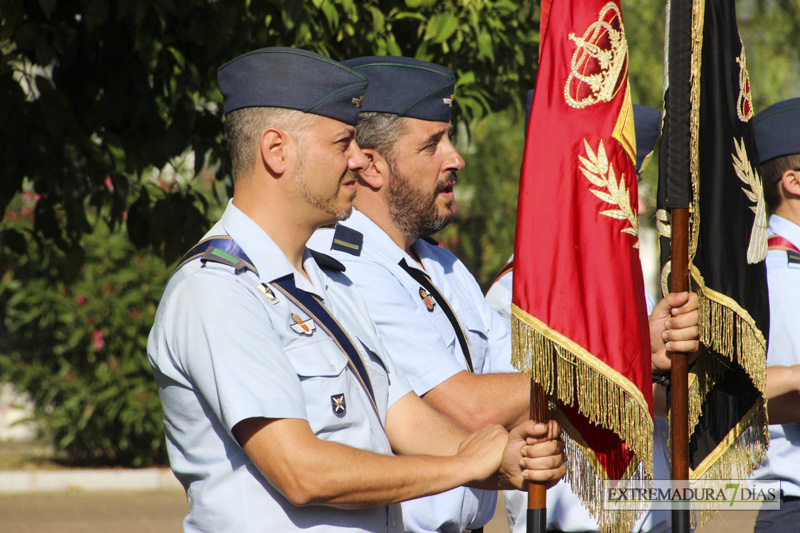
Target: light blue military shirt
{"points": [[223, 351], [783, 279], [422, 340], [565, 512]]}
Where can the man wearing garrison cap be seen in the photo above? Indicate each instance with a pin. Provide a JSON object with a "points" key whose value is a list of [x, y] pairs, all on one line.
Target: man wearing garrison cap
{"points": [[429, 309], [282, 408], [778, 143]]}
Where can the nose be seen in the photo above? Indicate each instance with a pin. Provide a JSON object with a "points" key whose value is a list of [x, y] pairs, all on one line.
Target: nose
{"points": [[454, 162], [357, 160]]}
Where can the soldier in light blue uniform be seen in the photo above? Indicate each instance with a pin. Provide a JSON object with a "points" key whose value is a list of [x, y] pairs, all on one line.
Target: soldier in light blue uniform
{"points": [[429, 309], [282, 409], [565, 512], [778, 143]]}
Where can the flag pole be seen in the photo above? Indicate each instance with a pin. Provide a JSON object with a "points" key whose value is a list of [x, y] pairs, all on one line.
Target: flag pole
{"points": [[537, 494], [679, 412], [678, 181]]}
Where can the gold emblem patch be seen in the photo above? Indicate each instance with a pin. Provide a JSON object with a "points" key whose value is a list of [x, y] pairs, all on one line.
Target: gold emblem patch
{"points": [[597, 169], [757, 250], [600, 61], [744, 103]]}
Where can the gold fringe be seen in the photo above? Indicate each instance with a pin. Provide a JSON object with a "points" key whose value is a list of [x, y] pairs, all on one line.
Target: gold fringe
{"points": [[568, 373], [740, 452], [732, 334], [585, 476]]}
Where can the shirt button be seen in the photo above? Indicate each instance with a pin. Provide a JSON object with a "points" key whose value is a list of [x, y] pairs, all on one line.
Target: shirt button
{"points": [[333, 368], [664, 434]]}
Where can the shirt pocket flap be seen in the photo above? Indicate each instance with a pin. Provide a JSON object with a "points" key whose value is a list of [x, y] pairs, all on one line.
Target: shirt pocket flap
{"points": [[317, 359]]}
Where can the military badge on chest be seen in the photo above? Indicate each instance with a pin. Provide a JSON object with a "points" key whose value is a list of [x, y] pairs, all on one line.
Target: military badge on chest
{"points": [[426, 297], [303, 327], [338, 405]]}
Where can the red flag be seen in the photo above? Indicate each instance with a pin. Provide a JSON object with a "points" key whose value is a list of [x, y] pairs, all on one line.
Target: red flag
{"points": [[579, 315]]}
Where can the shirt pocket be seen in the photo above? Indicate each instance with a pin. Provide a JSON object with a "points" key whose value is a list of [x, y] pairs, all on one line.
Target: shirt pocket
{"points": [[328, 395], [477, 337]]}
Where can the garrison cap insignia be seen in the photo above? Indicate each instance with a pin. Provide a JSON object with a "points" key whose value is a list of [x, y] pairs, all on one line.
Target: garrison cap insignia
{"points": [[338, 405], [347, 240], [426, 297], [303, 327], [266, 291], [358, 101], [406, 87]]}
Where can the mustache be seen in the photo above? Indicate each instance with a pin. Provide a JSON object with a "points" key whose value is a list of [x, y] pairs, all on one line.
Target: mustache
{"points": [[447, 183]]}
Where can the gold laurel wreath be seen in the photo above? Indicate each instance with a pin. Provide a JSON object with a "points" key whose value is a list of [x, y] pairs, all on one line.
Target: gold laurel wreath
{"points": [[601, 174], [757, 250]]}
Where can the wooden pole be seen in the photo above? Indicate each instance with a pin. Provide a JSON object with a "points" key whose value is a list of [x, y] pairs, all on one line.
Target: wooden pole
{"points": [[537, 494], [679, 412]]}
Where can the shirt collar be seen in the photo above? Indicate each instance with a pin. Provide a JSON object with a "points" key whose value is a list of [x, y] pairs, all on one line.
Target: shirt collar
{"points": [[267, 257], [376, 239], [785, 228]]}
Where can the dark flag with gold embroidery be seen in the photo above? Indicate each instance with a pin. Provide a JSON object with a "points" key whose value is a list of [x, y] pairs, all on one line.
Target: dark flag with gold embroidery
{"points": [[579, 318], [727, 247]]}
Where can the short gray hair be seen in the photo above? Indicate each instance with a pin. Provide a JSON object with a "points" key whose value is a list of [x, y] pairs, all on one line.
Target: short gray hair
{"points": [[243, 129], [379, 132]]}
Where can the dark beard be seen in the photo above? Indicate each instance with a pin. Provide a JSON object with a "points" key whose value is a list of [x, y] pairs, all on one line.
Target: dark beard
{"points": [[415, 214]]}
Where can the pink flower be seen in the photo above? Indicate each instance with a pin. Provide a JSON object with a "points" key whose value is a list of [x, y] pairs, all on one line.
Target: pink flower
{"points": [[98, 340], [109, 183], [80, 300], [11, 215], [26, 211], [27, 196]]}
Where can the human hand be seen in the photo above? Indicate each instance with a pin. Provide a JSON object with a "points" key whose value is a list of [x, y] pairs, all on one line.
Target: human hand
{"points": [[535, 453], [674, 328], [483, 451]]}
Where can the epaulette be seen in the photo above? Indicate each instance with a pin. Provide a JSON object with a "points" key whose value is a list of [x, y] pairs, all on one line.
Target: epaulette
{"points": [[215, 255], [327, 262], [347, 240], [793, 257], [431, 240]]}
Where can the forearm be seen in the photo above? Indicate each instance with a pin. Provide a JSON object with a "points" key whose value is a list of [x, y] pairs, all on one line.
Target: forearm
{"points": [[782, 380], [784, 409], [477, 400], [308, 470]]}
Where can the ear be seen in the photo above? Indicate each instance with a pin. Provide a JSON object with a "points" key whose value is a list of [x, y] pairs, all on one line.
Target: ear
{"points": [[374, 176], [790, 180], [274, 148]]}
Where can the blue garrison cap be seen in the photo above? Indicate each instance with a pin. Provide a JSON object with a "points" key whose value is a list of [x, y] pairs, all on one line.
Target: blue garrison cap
{"points": [[292, 79], [406, 87], [777, 129], [646, 122]]}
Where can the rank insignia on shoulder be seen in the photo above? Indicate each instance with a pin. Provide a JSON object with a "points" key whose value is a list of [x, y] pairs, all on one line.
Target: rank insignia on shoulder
{"points": [[793, 258], [347, 240], [426, 297], [303, 327], [266, 291], [338, 405]]}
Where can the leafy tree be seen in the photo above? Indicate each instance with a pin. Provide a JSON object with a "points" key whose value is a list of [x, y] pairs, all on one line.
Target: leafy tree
{"points": [[108, 89]]}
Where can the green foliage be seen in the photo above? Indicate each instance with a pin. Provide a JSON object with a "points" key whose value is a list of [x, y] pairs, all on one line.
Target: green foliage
{"points": [[79, 347], [111, 88], [483, 233]]}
